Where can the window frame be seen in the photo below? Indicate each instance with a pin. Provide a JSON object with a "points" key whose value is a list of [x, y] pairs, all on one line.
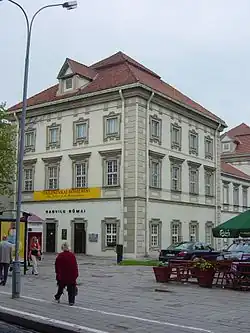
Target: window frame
{"points": [[194, 167], [225, 186], [82, 158], [211, 186], [209, 226], [155, 137], [80, 140], [107, 156], [178, 224], [209, 142], [175, 127], [29, 165], [32, 146], [155, 223], [196, 225], [65, 84], [236, 189], [57, 144], [115, 135], [176, 162], [106, 221], [193, 150], [50, 162]]}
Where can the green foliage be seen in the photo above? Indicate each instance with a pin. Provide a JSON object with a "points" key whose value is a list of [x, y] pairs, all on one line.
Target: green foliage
{"points": [[135, 262], [7, 153]]}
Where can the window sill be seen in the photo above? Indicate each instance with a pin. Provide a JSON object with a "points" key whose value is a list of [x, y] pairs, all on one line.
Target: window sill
{"points": [[111, 248], [210, 196], [193, 194], [110, 186], [26, 191], [155, 188], [176, 191]]}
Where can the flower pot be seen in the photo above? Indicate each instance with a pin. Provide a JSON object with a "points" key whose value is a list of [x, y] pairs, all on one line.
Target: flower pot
{"points": [[195, 272], [162, 274], [205, 278]]}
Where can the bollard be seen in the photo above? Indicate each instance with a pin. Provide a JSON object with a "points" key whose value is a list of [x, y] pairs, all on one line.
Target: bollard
{"points": [[119, 253]]}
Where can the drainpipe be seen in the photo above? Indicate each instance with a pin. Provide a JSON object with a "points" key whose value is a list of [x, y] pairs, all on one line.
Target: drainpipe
{"points": [[216, 176], [15, 183], [121, 233], [147, 176]]}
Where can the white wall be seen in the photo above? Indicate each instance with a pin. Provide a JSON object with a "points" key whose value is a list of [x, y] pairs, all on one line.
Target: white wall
{"points": [[95, 212]]}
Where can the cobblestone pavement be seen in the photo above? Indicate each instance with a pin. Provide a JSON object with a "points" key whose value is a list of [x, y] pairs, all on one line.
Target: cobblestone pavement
{"points": [[124, 299]]}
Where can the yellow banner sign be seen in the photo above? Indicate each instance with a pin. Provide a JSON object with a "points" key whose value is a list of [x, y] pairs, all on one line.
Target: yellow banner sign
{"points": [[8, 229], [68, 194]]}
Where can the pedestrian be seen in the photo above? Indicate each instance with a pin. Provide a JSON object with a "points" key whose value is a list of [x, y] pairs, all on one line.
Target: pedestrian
{"points": [[66, 269], [5, 259], [35, 254]]}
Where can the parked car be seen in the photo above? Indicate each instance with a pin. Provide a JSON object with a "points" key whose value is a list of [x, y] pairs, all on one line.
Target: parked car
{"points": [[236, 251], [188, 251]]}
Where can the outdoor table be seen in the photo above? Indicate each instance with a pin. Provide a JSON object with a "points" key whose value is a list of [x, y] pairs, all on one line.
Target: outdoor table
{"points": [[222, 274], [180, 270], [240, 271]]}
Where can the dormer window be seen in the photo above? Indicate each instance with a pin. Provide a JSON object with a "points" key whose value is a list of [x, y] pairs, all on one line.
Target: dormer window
{"points": [[226, 147], [68, 84]]}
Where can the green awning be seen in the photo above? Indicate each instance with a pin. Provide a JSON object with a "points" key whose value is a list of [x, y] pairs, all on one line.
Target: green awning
{"points": [[238, 226]]}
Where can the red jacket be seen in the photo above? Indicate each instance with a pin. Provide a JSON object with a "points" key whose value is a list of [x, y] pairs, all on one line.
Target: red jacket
{"points": [[66, 268]]}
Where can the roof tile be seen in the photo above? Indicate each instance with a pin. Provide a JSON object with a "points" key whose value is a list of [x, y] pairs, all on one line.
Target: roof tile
{"points": [[232, 170]]}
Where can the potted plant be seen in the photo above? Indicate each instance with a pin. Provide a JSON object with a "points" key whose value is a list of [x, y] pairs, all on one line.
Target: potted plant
{"points": [[162, 272], [204, 271]]}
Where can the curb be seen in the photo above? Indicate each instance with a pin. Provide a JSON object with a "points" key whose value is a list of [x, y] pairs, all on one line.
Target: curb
{"points": [[32, 324]]}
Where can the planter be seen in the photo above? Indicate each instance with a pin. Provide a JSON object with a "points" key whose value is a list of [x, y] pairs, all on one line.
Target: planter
{"points": [[195, 272], [162, 274], [205, 278]]}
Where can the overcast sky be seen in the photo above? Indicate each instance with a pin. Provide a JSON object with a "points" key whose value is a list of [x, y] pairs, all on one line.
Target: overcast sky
{"points": [[201, 47]]}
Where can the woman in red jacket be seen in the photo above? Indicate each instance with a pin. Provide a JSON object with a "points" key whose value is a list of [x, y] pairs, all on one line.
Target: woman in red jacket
{"points": [[66, 274]]}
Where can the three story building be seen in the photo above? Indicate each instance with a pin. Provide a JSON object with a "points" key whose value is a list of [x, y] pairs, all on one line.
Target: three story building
{"points": [[114, 155]]}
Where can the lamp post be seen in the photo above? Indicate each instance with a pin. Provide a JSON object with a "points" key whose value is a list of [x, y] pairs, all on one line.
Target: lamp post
{"points": [[16, 275]]}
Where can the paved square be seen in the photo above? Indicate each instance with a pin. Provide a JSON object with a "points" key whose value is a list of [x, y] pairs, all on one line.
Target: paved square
{"points": [[123, 299]]}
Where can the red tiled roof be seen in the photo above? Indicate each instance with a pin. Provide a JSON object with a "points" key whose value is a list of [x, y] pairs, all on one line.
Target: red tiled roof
{"points": [[116, 71], [230, 169], [241, 136], [82, 70]]}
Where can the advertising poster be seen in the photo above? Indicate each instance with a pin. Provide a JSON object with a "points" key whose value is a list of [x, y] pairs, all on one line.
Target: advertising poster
{"points": [[8, 229]]}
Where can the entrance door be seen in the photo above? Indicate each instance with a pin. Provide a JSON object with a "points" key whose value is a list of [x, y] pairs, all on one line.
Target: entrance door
{"points": [[80, 238], [51, 237]]}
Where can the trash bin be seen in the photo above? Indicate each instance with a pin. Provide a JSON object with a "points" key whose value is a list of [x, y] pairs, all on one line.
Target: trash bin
{"points": [[119, 253]]}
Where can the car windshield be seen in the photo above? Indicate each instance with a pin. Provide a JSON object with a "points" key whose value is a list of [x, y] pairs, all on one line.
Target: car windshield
{"points": [[240, 248], [180, 246]]}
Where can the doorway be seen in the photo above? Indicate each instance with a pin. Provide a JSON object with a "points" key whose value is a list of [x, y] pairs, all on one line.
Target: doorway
{"points": [[79, 238], [51, 237]]}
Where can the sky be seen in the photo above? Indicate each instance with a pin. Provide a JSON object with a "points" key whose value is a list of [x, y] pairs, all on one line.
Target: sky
{"points": [[201, 47]]}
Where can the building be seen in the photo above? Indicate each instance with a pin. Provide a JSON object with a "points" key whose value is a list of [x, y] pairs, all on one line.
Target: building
{"points": [[113, 154]]}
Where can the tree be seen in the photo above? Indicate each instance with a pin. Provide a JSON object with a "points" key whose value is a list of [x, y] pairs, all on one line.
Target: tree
{"points": [[7, 152]]}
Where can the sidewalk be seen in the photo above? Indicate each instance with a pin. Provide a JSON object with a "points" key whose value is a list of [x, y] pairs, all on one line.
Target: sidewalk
{"points": [[123, 299]]}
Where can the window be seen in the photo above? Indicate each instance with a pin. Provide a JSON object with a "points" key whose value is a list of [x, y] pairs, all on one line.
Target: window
{"points": [[155, 226], [81, 175], [193, 142], [226, 147], [245, 196], [209, 233], [193, 181], [69, 83], [175, 136], [225, 193], [28, 179], [53, 136], [52, 178], [155, 129], [176, 232], [208, 147], [112, 126], [111, 172], [110, 233], [209, 183], [81, 129], [236, 195], [29, 140], [155, 172], [193, 231], [176, 177]]}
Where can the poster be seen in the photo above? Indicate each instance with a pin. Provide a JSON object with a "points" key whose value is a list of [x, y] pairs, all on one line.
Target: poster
{"points": [[8, 229]]}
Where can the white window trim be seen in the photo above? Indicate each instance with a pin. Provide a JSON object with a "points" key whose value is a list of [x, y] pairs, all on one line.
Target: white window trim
{"points": [[225, 186], [209, 226], [104, 223], [176, 163], [52, 162], [79, 159], [245, 196], [209, 142], [196, 181], [65, 83], [152, 223], [107, 156], [179, 234], [29, 164], [224, 145], [32, 146], [194, 224], [211, 186], [236, 189]]}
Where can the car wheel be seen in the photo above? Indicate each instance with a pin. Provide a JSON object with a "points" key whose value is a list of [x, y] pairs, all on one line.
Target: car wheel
{"points": [[194, 257]]}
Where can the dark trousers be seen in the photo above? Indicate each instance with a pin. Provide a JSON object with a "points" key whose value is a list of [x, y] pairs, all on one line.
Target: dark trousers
{"points": [[4, 268], [71, 289]]}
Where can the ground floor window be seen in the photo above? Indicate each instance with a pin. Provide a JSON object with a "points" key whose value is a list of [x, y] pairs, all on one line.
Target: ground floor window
{"points": [[155, 226], [110, 233]]}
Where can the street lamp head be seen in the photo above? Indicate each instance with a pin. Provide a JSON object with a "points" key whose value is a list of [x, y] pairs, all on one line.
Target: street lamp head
{"points": [[69, 5]]}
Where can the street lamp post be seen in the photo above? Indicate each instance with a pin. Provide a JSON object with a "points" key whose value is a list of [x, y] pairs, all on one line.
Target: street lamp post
{"points": [[16, 275]]}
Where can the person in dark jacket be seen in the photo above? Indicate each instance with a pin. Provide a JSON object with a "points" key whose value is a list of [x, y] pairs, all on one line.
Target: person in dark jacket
{"points": [[66, 274]]}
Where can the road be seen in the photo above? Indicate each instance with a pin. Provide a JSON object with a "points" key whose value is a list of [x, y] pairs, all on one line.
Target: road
{"points": [[6, 328], [119, 299]]}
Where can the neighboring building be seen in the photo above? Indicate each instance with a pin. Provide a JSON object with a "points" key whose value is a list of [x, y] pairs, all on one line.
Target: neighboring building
{"points": [[116, 155], [236, 147]]}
